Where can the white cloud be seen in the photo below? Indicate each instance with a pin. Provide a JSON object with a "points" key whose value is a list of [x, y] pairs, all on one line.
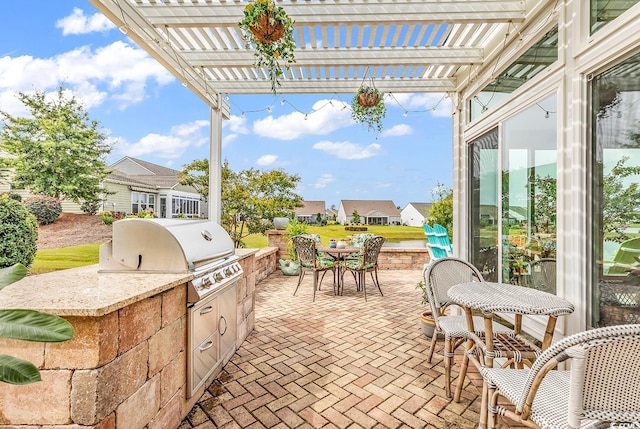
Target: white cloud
{"points": [[425, 102], [175, 144], [266, 160], [324, 180], [118, 72], [232, 128], [327, 116], [348, 150], [78, 23], [397, 130]]}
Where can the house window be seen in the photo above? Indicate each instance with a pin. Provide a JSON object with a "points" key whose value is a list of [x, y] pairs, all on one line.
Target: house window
{"points": [[184, 206], [615, 188], [513, 195], [142, 201], [605, 11], [537, 58]]}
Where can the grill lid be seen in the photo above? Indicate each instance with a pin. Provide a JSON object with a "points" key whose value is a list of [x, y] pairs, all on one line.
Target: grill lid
{"points": [[167, 245]]}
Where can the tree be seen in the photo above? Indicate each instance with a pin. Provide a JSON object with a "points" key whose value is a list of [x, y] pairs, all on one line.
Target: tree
{"points": [[59, 150], [196, 174], [355, 217], [250, 198], [620, 200], [442, 208]]}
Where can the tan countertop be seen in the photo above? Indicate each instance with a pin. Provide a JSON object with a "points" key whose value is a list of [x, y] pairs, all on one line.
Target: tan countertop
{"points": [[85, 292]]}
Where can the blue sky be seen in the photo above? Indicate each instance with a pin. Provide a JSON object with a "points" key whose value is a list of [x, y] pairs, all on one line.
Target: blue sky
{"points": [[148, 114]]}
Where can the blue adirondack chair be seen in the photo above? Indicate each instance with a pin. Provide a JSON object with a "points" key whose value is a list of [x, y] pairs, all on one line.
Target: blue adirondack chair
{"points": [[443, 237], [437, 250]]}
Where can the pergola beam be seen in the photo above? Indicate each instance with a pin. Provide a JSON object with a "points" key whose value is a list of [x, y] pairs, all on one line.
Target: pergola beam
{"points": [[344, 57], [341, 12]]}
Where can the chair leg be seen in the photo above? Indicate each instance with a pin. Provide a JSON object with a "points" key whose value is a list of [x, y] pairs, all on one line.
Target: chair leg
{"points": [[300, 277], [315, 284], [363, 280], [463, 371], [376, 281], [448, 363], [432, 347]]}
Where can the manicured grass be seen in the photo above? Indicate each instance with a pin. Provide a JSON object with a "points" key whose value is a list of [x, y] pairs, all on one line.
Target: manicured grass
{"points": [[65, 257], [77, 256]]}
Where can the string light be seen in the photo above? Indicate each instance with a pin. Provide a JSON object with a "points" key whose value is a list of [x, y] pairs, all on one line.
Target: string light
{"points": [[341, 104]]}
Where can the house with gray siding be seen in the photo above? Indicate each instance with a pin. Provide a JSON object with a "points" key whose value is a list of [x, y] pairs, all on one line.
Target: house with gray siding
{"points": [[309, 212], [371, 212]]}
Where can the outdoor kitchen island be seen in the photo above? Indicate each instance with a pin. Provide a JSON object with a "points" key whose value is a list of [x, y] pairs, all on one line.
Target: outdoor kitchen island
{"points": [[126, 366]]}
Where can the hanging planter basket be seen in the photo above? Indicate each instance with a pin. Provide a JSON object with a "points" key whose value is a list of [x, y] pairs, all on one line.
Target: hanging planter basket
{"points": [[368, 99], [367, 107], [268, 29]]}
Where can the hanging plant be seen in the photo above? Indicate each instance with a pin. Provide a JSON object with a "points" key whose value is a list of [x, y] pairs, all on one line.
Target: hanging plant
{"points": [[608, 98], [367, 107], [269, 31]]}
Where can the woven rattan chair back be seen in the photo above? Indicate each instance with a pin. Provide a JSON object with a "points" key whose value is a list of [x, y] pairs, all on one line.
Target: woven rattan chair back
{"points": [[441, 275], [371, 249], [605, 375], [543, 275]]}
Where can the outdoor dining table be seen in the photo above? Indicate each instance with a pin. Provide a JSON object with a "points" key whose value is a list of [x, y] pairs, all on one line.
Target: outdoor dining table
{"points": [[491, 298], [339, 253]]}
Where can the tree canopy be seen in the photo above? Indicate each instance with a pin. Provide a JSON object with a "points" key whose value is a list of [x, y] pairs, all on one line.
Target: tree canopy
{"points": [[442, 208], [250, 198], [58, 149]]}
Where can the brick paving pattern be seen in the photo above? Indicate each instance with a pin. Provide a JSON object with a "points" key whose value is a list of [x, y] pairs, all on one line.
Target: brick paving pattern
{"points": [[338, 362]]}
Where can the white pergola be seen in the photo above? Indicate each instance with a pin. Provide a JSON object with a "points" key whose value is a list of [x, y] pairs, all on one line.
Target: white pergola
{"points": [[403, 45]]}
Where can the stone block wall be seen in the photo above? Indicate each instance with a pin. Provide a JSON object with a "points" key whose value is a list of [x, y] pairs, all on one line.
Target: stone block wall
{"points": [[265, 263], [126, 369]]}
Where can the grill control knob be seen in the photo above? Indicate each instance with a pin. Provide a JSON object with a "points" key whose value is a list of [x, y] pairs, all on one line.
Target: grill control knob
{"points": [[218, 276], [227, 272], [206, 283]]}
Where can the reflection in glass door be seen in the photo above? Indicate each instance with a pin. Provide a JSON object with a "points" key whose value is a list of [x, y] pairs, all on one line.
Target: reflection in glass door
{"points": [[483, 155]]}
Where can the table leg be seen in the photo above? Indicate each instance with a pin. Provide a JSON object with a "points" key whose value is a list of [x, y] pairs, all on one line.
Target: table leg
{"points": [[465, 359], [548, 332]]}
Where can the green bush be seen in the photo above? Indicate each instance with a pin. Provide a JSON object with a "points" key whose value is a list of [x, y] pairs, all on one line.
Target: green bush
{"points": [[46, 209], [107, 220], [13, 196], [90, 206], [18, 233]]}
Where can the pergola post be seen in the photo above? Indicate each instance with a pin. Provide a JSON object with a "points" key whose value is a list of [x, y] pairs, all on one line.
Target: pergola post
{"points": [[215, 163]]}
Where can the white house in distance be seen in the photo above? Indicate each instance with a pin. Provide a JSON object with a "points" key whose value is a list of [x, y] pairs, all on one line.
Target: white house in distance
{"points": [[141, 185], [414, 214], [372, 212], [308, 213]]}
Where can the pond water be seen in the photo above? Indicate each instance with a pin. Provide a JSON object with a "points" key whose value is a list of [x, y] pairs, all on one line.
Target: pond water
{"points": [[406, 243]]}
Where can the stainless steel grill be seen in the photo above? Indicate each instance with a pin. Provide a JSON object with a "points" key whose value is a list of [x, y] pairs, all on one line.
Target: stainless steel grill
{"points": [[186, 246]]}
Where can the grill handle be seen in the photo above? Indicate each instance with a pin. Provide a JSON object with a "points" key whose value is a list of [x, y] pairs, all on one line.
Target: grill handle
{"points": [[226, 325], [206, 346], [207, 309]]}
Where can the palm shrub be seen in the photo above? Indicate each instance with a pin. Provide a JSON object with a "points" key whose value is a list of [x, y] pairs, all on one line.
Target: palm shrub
{"points": [[18, 233], [46, 209], [28, 325]]}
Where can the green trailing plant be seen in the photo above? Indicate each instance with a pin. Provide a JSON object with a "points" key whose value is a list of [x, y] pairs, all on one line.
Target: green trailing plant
{"points": [[367, 107], [28, 325], [268, 29], [18, 233], [46, 209], [294, 228]]}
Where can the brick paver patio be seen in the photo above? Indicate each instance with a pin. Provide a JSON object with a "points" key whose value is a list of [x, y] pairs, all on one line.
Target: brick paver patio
{"points": [[338, 362]]}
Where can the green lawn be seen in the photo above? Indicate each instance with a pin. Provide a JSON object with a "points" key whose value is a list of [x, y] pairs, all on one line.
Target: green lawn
{"points": [[65, 257], [77, 256]]}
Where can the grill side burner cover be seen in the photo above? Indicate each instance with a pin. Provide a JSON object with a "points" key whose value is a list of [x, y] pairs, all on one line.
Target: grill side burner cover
{"points": [[164, 245]]}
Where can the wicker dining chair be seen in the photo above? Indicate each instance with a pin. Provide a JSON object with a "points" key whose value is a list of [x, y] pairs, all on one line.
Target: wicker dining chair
{"points": [[543, 275], [602, 385], [439, 276], [366, 262], [309, 260]]}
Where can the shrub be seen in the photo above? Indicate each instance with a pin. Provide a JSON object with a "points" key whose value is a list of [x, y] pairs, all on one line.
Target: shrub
{"points": [[105, 213], [46, 209], [90, 206], [107, 220], [13, 196], [18, 233]]}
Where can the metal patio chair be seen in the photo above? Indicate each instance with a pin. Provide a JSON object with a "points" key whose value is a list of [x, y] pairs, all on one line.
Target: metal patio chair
{"points": [[366, 262], [309, 260], [602, 386]]}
